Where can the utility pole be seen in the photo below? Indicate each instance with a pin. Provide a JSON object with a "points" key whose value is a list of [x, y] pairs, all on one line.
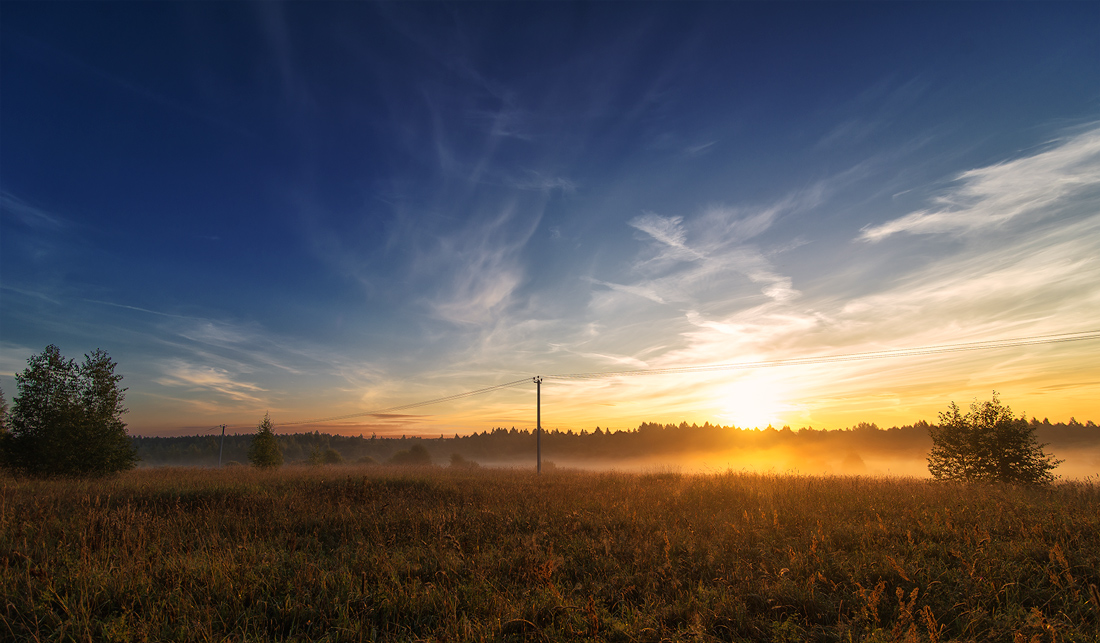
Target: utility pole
{"points": [[221, 448], [538, 424]]}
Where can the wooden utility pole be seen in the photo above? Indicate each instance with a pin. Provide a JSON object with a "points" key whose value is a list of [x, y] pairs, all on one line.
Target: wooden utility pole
{"points": [[538, 424], [221, 448]]}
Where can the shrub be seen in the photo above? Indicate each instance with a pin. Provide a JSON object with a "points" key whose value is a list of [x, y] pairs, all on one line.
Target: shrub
{"points": [[459, 462], [417, 456]]}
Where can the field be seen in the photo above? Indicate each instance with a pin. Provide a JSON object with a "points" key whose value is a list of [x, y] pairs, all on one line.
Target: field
{"points": [[390, 554]]}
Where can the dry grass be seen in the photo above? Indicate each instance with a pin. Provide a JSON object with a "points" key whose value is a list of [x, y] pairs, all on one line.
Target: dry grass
{"points": [[346, 554]]}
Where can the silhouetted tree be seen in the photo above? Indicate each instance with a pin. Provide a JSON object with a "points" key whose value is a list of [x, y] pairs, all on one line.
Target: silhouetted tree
{"points": [[66, 419], [264, 451], [988, 444]]}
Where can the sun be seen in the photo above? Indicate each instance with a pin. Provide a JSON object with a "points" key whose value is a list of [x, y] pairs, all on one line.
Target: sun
{"points": [[751, 403]]}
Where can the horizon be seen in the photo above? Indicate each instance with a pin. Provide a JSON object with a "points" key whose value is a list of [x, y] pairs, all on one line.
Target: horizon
{"points": [[349, 432], [318, 210]]}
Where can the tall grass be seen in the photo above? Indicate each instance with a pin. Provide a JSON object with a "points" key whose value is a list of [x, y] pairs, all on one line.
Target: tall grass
{"points": [[346, 554]]}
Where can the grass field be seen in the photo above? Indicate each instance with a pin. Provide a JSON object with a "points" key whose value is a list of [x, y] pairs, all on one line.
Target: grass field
{"points": [[350, 554]]}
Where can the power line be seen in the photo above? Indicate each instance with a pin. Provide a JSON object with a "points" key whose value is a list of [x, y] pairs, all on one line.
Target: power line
{"points": [[850, 357], [405, 407], [797, 361]]}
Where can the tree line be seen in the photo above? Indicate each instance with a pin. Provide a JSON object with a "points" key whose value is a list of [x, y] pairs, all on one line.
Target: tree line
{"points": [[962, 446]]}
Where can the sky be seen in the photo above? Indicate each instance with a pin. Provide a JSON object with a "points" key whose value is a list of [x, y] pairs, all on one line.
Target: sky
{"points": [[318, 210]]}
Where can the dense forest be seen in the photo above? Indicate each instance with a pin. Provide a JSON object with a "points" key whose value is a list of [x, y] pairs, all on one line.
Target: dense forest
{"points": [[650, 442]]}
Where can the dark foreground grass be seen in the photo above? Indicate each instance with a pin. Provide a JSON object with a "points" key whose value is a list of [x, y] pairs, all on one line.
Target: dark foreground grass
{"points": [[346, 554]]}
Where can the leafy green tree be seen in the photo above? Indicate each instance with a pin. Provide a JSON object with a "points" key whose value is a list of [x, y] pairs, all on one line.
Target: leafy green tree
{"points": [[988, 444], [264, 452], [66, 419]]}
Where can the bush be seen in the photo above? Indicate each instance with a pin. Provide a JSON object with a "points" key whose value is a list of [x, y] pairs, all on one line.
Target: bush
{"points": [[988, 445], [66, 419], [417, 456], [459, 462]]}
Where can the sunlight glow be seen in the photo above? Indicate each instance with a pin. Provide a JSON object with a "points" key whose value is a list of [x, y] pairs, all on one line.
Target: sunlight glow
{"points": [[752, 403]]}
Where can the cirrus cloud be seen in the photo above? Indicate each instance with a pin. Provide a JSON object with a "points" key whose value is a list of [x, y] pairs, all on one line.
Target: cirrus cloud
{"points": [[1032, 187]]}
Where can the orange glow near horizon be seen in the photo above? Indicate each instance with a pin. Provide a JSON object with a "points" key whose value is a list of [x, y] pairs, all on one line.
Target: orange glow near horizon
{"points": [[1055, 382]]}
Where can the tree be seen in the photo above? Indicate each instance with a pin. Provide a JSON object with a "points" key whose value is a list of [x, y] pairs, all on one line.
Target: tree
{"points": [[988, 444], [264, 452], [417, 456], [328, 456], [66, 420], [459, 462], [3, 427]]}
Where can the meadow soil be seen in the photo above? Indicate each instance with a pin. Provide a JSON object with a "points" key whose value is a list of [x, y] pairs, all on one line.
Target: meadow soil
{"points": [[361, 554]]}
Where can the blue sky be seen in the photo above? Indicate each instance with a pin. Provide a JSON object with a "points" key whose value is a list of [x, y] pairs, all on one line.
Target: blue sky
{"points": [[317, 209]]}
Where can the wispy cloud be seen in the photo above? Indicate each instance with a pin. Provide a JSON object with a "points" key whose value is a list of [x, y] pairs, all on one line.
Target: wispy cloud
{"points": [[1043, 281], [541, 181], [1030, 188], [30, 215], [734, 225], [639, 291], [700, 148], [848, 132], [478, 266], [883, 103], [220, 367], [41, 296], [13, 359], [669, 232], [210, 380], [274, 25], [715, 245], [508, 121], [136, 309]]}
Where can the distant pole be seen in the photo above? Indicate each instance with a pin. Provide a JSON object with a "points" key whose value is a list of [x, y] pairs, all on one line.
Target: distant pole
{"points": [[538, 424], [221, 448]]}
